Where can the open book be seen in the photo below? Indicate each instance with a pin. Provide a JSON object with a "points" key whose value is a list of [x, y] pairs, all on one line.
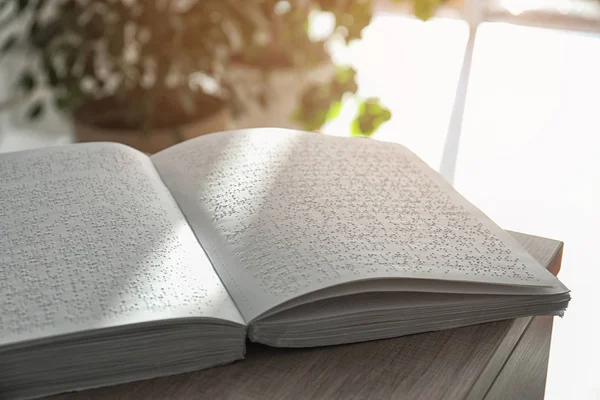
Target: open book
{"points": [[116, 266]]}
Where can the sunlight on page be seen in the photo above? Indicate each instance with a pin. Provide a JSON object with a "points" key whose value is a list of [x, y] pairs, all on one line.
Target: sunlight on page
{"points": [[234, 157], [92, 238], [181, 280], [282, 214]]}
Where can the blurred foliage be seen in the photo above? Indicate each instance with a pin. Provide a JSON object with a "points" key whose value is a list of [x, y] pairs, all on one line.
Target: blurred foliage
{"points": [[144, 63], [287, 43], [425, 9], [321, 103], [136, 57], [370, 116]]}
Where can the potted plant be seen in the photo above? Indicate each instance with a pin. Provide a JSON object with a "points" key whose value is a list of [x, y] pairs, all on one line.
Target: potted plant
{"points": [[153, 73], [144, 73]]}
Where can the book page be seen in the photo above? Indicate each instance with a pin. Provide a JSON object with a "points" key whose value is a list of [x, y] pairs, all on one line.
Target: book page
{"points": [[91, 238], [284, 213]]}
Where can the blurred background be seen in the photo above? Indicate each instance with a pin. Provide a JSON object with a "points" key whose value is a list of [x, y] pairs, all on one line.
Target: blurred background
{"points": [[153, 73], [500, 96]]}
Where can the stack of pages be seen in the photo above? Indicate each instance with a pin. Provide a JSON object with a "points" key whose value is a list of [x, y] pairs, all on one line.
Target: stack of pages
{"points": [[116, 266]]}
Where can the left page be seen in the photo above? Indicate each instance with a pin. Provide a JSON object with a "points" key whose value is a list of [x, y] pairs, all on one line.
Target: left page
{"points": [[90, 239]]}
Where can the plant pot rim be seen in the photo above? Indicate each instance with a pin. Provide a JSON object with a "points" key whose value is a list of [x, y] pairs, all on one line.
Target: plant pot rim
{"points": [[138, 132], [79, 116]]}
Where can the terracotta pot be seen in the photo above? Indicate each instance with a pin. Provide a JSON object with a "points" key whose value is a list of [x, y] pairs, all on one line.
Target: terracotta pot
{"points": [[157, 139], [284, 87]]}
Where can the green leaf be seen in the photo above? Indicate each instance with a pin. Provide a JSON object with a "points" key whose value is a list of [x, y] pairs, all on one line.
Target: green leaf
{"points": [[352, 17], [370, 115], [334, 110], [344, 74], [425, 9], [51, 73], [52, 76], [22, 5], [40, 4], [318, 104], [310, 119], [40, 35], [34, 29], [35, 111], [61, 103], [27, 82], [345, 81], [9, 43]]}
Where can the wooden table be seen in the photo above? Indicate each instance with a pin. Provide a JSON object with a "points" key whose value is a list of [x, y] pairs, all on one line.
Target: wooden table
{"points": [[500, 360]]}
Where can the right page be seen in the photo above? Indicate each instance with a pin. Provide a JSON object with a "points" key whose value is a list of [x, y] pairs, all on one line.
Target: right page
{"points": [[283, 213]]}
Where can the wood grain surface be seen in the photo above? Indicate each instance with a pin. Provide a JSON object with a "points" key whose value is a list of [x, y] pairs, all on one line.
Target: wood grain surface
{"points": [[474, 362], [524, 374]]}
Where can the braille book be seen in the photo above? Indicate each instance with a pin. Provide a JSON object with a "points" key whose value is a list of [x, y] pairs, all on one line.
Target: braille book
{"points": [[117, 266]]}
